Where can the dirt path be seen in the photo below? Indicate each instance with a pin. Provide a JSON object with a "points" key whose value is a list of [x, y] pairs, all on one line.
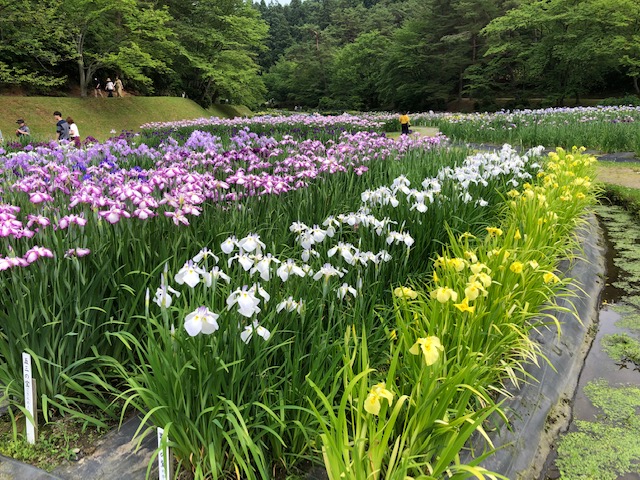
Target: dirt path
{"points": [[427, 131], [620, 175]]}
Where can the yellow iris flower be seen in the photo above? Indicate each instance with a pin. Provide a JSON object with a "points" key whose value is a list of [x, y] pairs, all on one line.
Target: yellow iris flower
{"points": [[444, 294], [471, 256], [477, 267], [405, 292], [550, 278], [483, 278], [430, 347], [464, 306], [513, 193], [516, 267], [373, 402], [456, 263], [473, 290]]}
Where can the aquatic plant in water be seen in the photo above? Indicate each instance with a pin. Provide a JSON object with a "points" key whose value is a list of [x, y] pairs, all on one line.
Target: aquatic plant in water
{"points": [[609, 447]]}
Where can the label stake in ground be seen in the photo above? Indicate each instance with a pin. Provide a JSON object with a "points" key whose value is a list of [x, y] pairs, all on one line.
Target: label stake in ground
{"points": [[164, 458], [29, 397]]}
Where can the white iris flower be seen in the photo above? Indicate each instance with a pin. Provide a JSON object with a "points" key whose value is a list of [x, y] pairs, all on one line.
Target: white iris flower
{"points": [[162, 297], [204, 254], [189, 274], [201, 320], [289, 268], [290, 305], [214, 275], [229, 245], [345, 289], [251, 243], [246, 301], [247, 333]]}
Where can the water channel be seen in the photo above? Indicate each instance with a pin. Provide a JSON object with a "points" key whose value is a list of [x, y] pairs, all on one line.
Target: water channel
{"points": [[603, 438]]}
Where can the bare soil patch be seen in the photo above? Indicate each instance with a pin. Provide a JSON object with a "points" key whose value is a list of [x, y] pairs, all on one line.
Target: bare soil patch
{"points": [[620, 175]]}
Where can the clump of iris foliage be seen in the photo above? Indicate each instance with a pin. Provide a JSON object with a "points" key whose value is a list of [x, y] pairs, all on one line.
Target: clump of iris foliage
{"points": [[237, 291], [604, 128]]}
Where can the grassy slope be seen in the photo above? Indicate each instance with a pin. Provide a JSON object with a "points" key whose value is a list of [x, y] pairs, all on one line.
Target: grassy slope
{"points": [[96, 117]]}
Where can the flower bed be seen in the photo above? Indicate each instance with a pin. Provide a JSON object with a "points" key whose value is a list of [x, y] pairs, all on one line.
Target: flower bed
{"points": [[82, 227], [608, 129], [203, 286]]}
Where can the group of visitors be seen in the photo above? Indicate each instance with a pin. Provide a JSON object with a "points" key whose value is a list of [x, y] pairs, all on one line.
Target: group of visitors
{"points": [[110, 87], [66, 129]]}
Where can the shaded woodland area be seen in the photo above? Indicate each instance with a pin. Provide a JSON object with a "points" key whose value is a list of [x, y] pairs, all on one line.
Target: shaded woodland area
{"points": [[328, 54]]}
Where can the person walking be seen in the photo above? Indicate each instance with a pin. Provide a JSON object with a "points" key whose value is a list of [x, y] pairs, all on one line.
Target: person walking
{"points": [[62, 127], [97, 89], [119, 87], [74, 133], [404, 123], [23, 130], [109, 87]]}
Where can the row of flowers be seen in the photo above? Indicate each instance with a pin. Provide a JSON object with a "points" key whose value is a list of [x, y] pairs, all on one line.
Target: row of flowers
{"points": [[489, 120], [288, 122], [248, 258], [469, 326], [604, 128], [256, 296], [40, 192], [541, 116]]}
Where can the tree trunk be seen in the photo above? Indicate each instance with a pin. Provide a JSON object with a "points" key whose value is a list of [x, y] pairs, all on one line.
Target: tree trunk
{"points": [[635, 84], [86, 76], [81, 68], [474, 48], [83, 78]]}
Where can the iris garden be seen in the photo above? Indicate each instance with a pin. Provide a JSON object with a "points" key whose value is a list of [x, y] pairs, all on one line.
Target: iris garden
{"points": [[602, 128], [281, 291]]}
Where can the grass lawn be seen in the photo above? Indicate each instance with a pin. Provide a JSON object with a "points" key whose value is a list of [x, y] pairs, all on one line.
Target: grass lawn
{"points": [[427, 131], [97, 117]]}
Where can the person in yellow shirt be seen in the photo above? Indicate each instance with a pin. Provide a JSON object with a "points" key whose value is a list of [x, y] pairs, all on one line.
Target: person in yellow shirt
{"points": [[404, 123]]}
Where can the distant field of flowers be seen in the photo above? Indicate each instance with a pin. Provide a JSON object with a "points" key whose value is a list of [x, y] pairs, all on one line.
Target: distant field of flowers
{"points": [[298, 126], [606, 128], [277, 293]]}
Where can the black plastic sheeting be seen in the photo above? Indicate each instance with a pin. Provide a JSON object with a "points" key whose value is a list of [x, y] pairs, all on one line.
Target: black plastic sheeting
{"points": [[11, 469], [117, 457], [539, 410]]}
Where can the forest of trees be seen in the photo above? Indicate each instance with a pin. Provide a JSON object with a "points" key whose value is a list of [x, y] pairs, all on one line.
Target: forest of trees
{"points": [[327, 54]]}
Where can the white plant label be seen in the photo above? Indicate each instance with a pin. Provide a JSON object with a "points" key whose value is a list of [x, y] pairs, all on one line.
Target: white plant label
{"points": [[28, 396], [163, 459]]}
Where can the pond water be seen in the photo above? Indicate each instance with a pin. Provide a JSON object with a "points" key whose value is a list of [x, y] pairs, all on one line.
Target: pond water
{"points": [[603, 439]]}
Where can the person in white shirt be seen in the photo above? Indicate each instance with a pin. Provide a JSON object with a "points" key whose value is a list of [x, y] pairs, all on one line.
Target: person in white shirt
{"points": [[74, 133], [109, 87]]}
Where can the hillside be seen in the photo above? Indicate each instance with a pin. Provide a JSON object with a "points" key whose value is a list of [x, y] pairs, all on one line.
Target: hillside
{"points": [[97, 117]]}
